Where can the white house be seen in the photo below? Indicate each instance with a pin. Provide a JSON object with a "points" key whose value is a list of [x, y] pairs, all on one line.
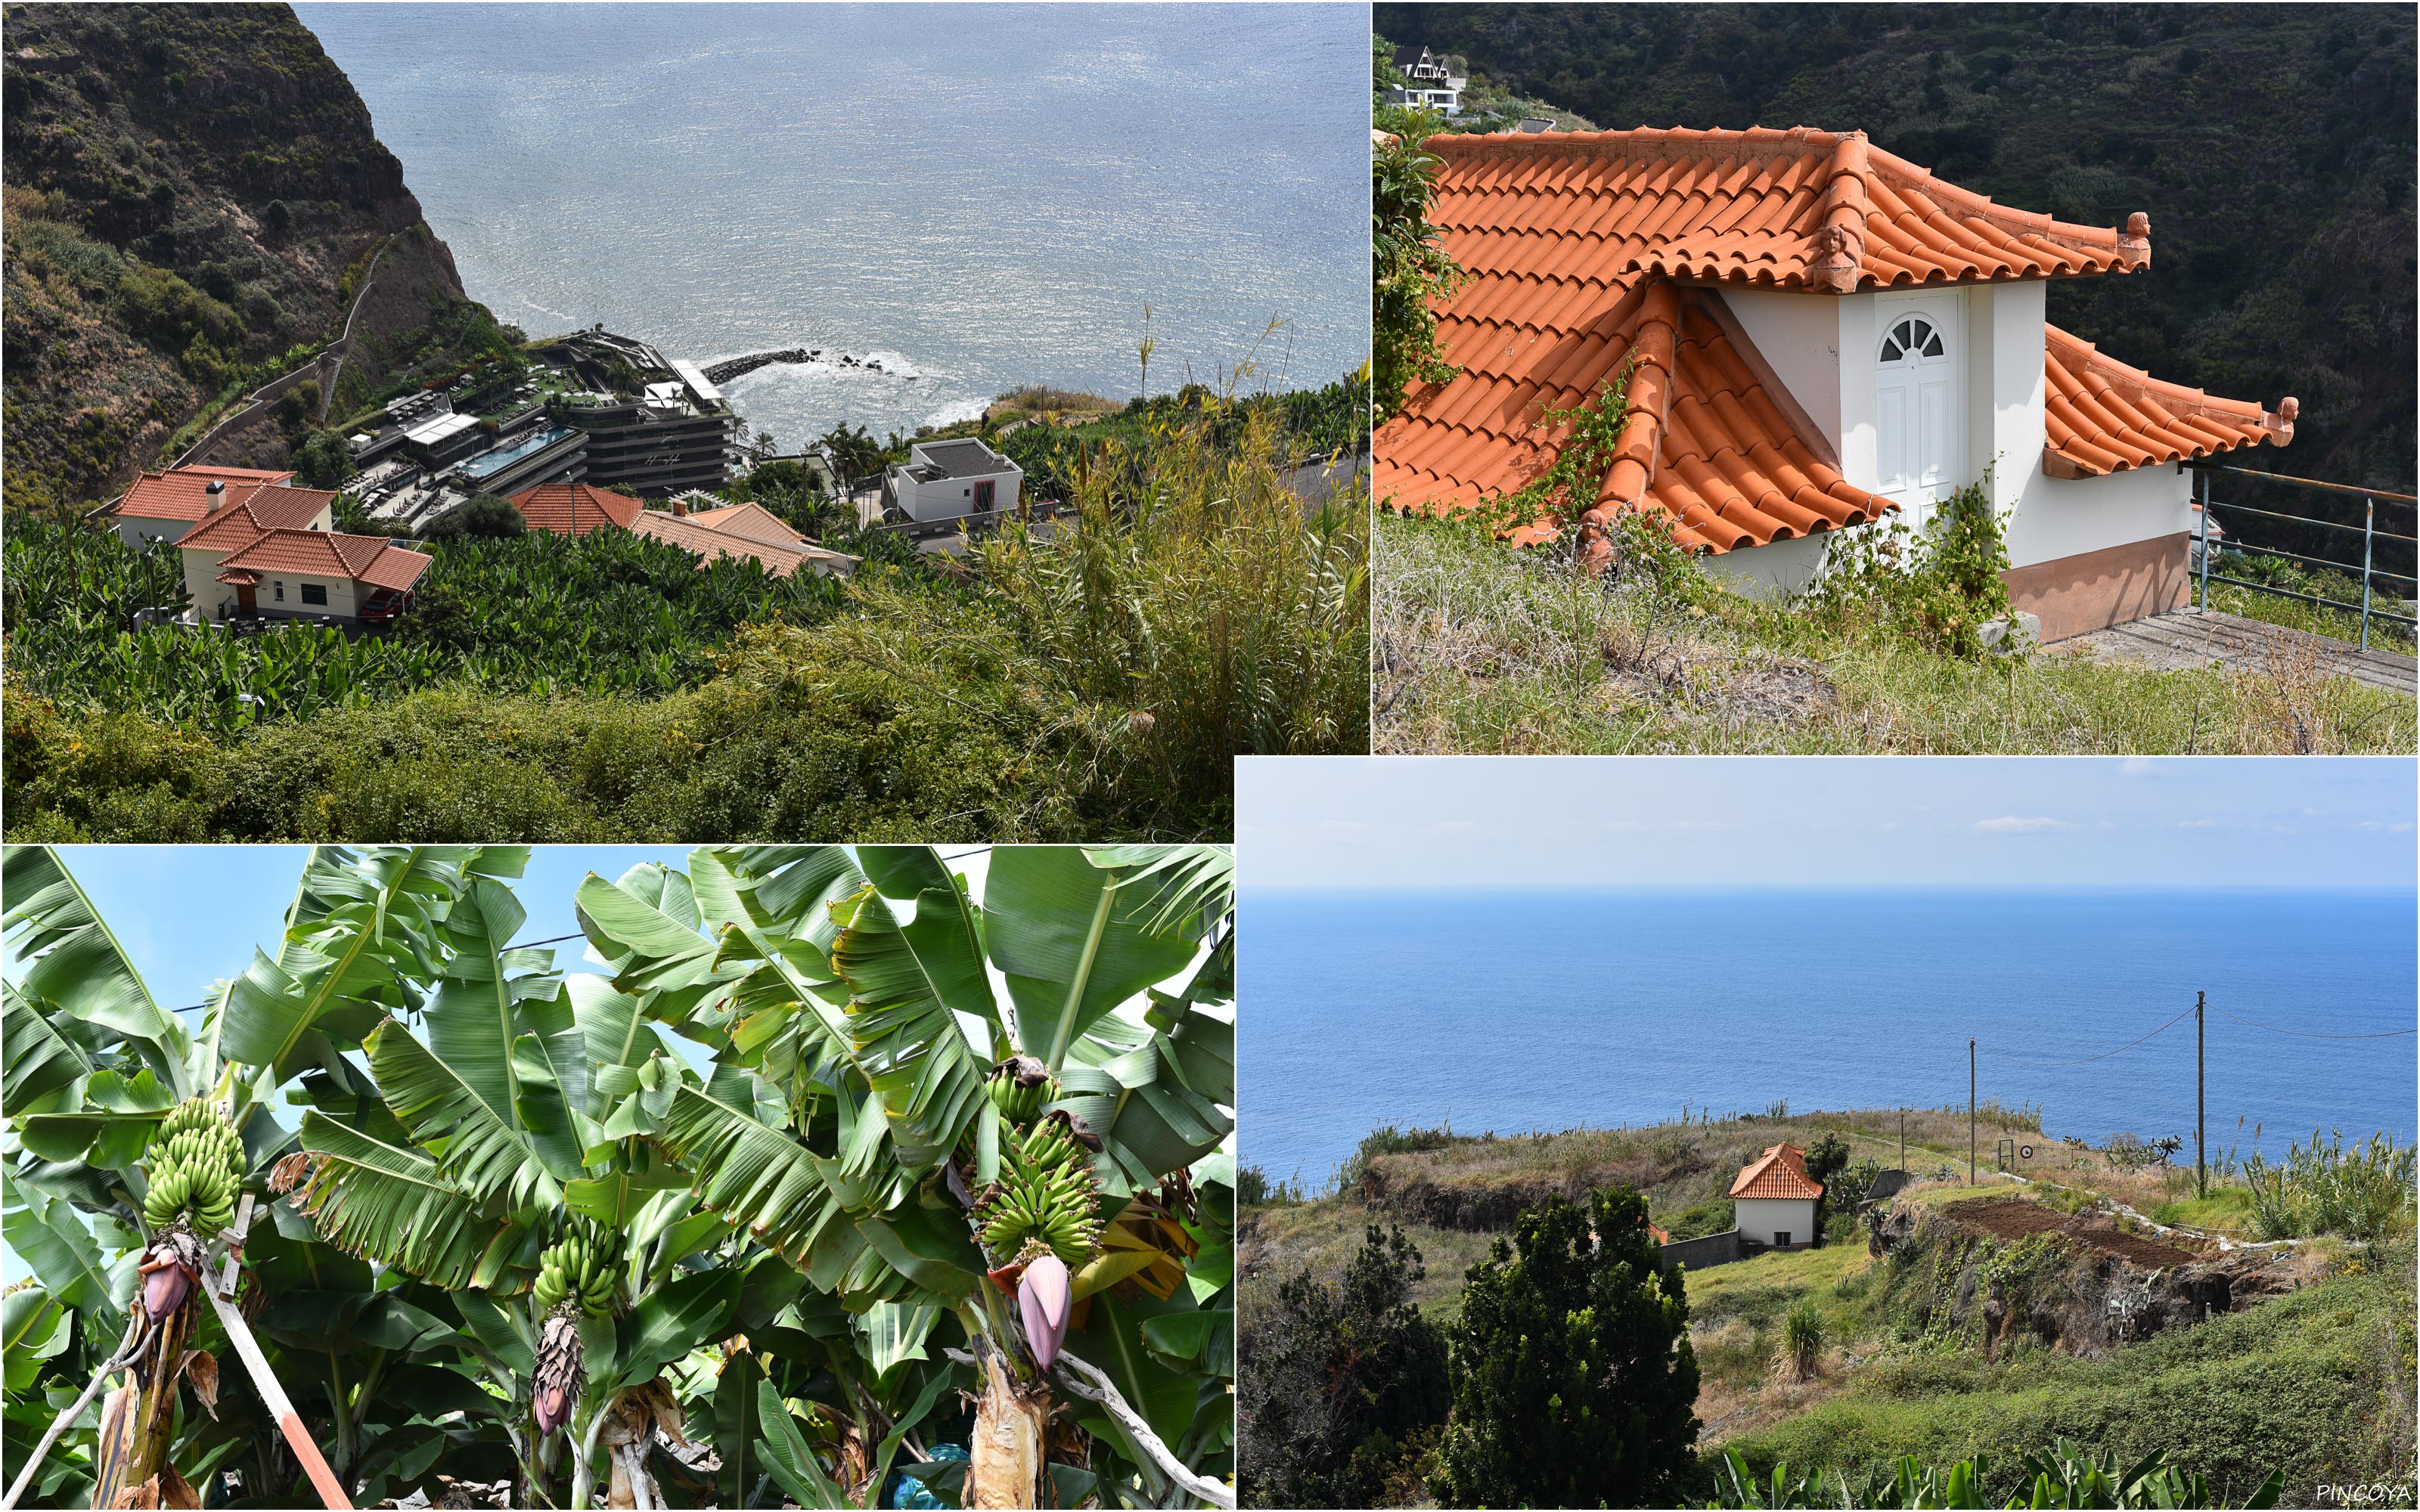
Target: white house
{"points": [[271, 556], [1429, 82], [1776, 1201], [949, 480], [1816, 334]]}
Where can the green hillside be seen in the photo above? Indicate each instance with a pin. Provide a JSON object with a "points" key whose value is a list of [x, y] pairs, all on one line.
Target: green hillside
{"points": [[2099, 1301], [192, 192]]}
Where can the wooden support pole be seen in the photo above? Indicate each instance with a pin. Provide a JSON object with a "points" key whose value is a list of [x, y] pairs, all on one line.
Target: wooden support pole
{"points": [[1970, 1113], [2201, 1109], [273, 1396]]}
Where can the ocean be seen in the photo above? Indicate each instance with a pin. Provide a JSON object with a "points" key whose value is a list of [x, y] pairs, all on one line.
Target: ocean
{"points": [[1517, 1010], [976, 197]]}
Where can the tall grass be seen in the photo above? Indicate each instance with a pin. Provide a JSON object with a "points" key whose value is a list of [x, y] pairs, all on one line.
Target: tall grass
{"points": [[1480, 648], [1192, 590], [2364, 1193]]}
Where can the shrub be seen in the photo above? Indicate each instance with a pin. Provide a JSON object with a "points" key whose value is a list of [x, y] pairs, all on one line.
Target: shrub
{"points": [[2364, 1193], [1337, 1380], [1409, 268], [1936, 588], [1387, 1141], [1574, 1382], [482, 517]]}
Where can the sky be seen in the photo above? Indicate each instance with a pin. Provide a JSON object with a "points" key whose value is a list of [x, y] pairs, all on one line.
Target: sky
{"points": [[1781, 821]]}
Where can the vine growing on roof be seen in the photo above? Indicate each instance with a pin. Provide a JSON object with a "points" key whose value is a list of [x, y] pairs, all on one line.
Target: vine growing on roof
{"points": [[1409, 271]]}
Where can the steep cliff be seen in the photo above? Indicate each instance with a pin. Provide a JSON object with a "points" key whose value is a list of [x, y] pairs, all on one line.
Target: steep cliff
{"points": [[192, 192]]}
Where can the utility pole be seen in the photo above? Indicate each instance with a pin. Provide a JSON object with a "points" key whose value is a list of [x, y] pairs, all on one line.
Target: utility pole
{"points": [[1903, 1139], [1970, 1113], [2201, 1101]]}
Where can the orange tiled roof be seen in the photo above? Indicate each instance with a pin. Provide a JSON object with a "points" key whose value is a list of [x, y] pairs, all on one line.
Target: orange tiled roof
{"points": [[1573, 242], [1780, 1172], [573, 508], [750, 520], [183, 493], [1549, 214], [238, 525], [366, 559], [2104, 416], [709, 545], [1714, 444]]}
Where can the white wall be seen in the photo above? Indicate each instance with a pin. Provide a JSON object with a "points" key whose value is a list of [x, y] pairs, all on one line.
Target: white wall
{"points": [[1770, 573], [1761, 1218], [1823, 348], [208, 593], [135, 531], [1799, 338], [2068, 516], [2006, 387], [948, 498]]}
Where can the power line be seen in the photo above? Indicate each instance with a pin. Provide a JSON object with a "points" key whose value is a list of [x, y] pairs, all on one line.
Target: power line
{"points": [[2305, 1034], [2052, 1065]]}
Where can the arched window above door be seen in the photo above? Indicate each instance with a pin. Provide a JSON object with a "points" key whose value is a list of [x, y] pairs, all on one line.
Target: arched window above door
{"points": [[1910, 338]]}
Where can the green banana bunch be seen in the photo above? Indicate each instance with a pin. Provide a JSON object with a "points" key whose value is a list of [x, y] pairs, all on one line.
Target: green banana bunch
{"points": [[196, 1162], [1020, 1087], [579, 1268], [1045, 1197]]}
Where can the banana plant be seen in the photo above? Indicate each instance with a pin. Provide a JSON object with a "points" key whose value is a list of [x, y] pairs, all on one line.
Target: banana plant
{"points": [[128, 1144], [493, 1154], [907, 1075]]}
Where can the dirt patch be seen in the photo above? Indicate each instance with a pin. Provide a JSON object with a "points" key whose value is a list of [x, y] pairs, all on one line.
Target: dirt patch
{"points": [[2013, 1219]]}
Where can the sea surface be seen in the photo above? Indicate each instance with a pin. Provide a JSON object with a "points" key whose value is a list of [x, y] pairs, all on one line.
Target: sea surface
{"points": [[979, 196], [1517, 1010]]}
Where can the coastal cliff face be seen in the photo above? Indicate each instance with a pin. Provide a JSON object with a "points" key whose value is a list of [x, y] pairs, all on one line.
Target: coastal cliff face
{"points": [[192, 191]]}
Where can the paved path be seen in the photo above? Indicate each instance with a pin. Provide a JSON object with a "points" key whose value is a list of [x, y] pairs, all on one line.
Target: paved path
{"points": [[2191, 637], [325, 366]]}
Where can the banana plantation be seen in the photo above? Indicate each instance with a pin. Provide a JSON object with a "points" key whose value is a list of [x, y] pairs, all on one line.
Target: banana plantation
{"points": [[801, 1175], [533, 614]]}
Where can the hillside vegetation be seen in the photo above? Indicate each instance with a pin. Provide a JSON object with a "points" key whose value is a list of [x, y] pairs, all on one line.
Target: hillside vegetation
{"points": [[1453, 1192], [2272, 146], [191, 196], [1949, 1325], [1484, 649]]}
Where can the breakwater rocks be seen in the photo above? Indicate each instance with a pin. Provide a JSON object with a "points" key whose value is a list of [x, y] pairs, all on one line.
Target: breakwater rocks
{"points": [[731, 367]]}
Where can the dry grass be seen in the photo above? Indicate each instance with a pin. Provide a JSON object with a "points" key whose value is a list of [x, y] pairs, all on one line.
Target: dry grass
{"points": [[1483, 649], [1040, 401]]}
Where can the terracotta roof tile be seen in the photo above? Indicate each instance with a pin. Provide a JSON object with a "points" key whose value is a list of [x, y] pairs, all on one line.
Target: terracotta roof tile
{"points": [[573, 508], [2102, 416], [183, 493], [1572, 242], [1713, 445], [753, 520], [269, 508], [709, 545], [1780, 1172], [367, 559]]}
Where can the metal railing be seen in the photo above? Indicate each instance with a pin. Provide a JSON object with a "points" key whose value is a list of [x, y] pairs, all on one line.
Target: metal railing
{"points": [[2368, 530]]}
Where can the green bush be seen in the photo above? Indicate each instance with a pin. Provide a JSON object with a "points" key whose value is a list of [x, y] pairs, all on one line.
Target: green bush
{"points": [[1574, 1380], [2365, 1193], [1337, 1382]]}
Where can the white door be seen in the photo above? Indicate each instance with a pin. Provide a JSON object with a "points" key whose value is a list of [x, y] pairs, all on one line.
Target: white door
{"points": [[1917, 436]]}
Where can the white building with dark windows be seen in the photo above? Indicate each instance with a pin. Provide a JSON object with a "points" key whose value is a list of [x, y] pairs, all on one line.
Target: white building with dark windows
{"points": [[1432, 81], [943, 481], [1777, 1203]]}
